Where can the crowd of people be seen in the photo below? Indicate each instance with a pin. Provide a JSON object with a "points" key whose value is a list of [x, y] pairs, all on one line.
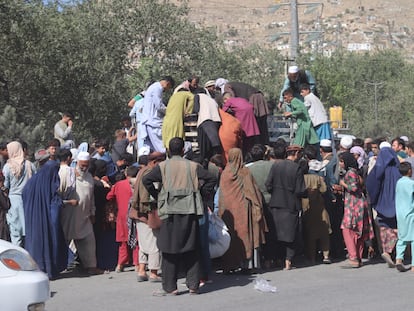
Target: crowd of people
{"points": [[145, 199]]}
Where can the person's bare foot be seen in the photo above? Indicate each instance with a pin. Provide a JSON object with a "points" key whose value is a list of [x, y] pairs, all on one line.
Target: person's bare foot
{"points": [[371, 252], [140, 268], [288, 265]]}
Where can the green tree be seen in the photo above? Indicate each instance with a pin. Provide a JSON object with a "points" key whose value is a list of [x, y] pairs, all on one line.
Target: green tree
{"points": [[10, 130], [80, 57], [57, 60], [90, 57], [346, 79]]}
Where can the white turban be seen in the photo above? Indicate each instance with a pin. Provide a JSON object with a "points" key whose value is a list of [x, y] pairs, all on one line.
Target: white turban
{"points": [[325, 143], [83, 156], [293, 69], [346, 142]]}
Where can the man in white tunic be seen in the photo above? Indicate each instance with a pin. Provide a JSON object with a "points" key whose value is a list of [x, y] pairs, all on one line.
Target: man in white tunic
{"points": [[77, 219], [317, 112]]}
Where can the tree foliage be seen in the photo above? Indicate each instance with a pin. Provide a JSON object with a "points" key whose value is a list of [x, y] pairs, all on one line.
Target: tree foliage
{"points": [[11, 129], [90, 57], [373, 89], [58, 59]]}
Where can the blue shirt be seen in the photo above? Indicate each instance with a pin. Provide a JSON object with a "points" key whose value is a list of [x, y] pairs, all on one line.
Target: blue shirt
{"points": [[16, 184], [153, 109]]}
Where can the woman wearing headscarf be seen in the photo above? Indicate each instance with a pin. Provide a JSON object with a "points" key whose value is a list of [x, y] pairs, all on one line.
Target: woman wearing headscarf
{"points": [[381, 183], [42, 205], [359, 155], [240, 207], [244, 112], [356, 224], [220, 83], [17, 172]]}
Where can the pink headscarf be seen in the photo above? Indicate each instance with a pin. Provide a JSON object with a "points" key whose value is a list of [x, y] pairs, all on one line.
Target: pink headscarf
{"points": [[361, 159], [16, 157]]}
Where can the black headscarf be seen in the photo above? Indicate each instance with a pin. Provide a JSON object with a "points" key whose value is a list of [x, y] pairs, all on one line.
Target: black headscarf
{"points": [[349, 160]]}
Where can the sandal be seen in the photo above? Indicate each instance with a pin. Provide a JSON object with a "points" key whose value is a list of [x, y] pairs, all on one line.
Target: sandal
{"points": [[155, 279], [142, 278], [163, 293], [387, 258], [352, 264], [400, 266], [193, 291]]}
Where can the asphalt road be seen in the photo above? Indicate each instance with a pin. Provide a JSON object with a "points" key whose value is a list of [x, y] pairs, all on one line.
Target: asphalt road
{"points": [[321, 287]]}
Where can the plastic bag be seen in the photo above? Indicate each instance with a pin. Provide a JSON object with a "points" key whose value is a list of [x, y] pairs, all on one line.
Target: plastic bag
{"points": [[219, 237], [263, 285], [130, 148]]}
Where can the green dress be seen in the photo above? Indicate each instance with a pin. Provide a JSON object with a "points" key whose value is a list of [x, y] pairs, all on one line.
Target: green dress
{"points": [[305, 134]]}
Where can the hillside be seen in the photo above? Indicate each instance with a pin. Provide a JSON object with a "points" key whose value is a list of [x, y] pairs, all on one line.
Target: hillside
{"points": [[324, 25]]}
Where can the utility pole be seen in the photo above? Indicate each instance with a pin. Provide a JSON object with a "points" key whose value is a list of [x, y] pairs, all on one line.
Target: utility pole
{"points": [[294, 31], [294, 26], [287, 61], [376, 86]]}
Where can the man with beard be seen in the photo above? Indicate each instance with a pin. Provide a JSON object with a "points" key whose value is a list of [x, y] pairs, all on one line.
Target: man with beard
{"points": [[77, 219], [294, 79]]}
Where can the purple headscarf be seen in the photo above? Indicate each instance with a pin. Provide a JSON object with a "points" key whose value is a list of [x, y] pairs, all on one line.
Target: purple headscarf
{"points": [[361, 155]]}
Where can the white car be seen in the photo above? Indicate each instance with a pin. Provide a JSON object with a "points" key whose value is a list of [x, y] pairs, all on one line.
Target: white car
{"points": [[22, 285]]}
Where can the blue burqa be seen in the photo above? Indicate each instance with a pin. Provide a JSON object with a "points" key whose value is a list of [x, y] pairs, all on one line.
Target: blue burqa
{"points": [[44, 236], [381, 182]]}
